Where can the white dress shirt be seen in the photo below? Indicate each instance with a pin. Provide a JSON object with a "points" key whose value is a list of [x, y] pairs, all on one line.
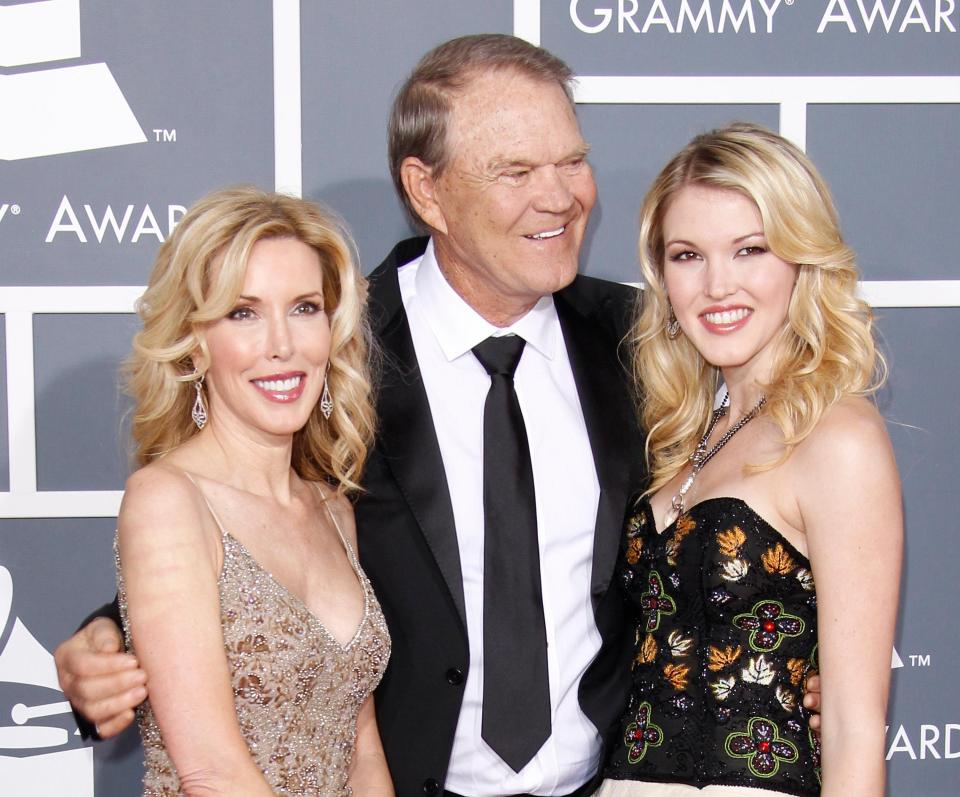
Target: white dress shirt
{"points": [[444, 330]]}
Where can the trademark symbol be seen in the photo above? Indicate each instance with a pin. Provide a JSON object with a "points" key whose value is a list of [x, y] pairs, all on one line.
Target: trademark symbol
{"points": [[164, 136], [919, 659], [15, 210]]}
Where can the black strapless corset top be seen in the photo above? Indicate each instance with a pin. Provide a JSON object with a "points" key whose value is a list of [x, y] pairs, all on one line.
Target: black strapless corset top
{"points": [[726, 633]]}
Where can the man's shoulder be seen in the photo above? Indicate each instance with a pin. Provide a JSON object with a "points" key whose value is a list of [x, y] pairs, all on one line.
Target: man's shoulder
{"points": [[404, 252], [384, 301], [608, 304]]}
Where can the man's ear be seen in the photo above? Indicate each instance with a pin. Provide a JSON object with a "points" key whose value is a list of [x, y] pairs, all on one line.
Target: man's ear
{"points": [[420, 187]]}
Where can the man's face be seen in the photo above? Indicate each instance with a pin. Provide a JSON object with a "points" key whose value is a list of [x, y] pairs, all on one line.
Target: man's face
{"points": [[512, 206]]}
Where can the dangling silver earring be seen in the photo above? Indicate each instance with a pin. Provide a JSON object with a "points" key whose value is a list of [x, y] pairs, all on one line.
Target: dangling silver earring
{"points": [[672, 325], [199, 411], [326, 400]]}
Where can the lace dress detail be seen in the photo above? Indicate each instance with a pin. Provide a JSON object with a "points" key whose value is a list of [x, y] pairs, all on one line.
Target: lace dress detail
{"points": [[297, 691], [726, 633]]}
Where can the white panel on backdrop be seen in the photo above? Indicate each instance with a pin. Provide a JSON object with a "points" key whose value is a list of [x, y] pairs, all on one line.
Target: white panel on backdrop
{"points": [[52, 111], [64, 110], [25, 664], [48, 30]]}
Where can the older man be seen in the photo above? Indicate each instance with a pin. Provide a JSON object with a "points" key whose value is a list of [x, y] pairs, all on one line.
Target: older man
{"points": [[507, 446]]}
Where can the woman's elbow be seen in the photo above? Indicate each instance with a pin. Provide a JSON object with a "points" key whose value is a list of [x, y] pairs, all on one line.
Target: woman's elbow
{"points": [[206, 782]]}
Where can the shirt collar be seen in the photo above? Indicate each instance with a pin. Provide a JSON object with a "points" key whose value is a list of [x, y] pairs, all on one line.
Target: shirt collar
{"points": [[457, 327]]}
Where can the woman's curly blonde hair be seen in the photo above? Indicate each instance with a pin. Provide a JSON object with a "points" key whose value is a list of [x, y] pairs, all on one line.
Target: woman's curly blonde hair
{"points": [[196, 280], [826, 349]]}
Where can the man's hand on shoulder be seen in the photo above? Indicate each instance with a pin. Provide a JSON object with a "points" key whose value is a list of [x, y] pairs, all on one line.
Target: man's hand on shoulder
{"points": [[101, 681]]}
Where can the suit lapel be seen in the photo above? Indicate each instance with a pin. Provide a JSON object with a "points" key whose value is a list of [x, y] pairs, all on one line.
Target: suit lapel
{"points": [[605, 401], [406, 436]]}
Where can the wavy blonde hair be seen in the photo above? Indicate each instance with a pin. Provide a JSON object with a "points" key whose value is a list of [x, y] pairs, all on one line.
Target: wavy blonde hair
{"points": [[826, 349], [196, 280]]}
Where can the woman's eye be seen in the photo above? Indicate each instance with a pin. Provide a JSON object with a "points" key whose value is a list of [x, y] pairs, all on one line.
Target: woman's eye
{"points": [[308, 308], [752, 250], [240, 314], [683, 256]]}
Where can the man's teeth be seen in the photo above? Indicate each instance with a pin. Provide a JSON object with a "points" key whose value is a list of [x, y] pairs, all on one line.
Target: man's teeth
{"points": [[278, 385], [727, 316], [540, 236]]}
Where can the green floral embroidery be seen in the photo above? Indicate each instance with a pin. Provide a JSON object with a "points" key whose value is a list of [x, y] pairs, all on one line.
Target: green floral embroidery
{"points": [[656, 601], [768, 624], [641, 734], [762, 746]]}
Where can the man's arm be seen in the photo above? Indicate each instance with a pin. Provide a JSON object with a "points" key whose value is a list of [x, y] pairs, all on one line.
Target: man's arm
{"points": [[102, 682]]}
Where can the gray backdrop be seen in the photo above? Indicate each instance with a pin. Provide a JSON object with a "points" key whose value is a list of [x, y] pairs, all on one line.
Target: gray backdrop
{"points": [[194, 96]]}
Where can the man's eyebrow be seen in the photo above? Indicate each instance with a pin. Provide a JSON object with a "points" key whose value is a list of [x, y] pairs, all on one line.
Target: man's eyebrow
{"points": [[500, 163]]}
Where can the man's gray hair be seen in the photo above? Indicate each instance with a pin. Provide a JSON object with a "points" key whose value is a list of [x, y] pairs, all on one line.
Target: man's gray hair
{"points": [[418, 118]]}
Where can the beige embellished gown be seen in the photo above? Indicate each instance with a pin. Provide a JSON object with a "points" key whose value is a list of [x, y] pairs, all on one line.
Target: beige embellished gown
{"points": [[297, 691]]}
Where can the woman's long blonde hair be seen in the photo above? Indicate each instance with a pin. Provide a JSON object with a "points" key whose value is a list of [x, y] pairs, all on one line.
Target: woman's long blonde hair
{"points": [[826, 349], [196, 280]]}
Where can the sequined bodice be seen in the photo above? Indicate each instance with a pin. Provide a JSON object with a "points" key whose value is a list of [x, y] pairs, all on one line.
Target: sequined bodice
{"points": [[297, 691], [726, 632]]}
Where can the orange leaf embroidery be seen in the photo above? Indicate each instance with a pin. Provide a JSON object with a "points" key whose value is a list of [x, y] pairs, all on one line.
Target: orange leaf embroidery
{"points": [[648, 650], [633, 550], [731, 541], [796, 668], [777, 560], [676, 674], [718, 659]]}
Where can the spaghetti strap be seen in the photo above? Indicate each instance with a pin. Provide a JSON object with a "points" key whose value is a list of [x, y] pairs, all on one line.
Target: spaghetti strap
{"points": [[346, 543], [213, 514]]}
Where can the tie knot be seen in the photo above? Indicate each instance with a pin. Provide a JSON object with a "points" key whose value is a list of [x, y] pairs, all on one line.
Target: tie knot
{"points": [[500, 355]]}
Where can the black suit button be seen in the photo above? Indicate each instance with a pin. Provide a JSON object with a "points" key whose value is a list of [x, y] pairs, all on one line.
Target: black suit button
{"points": [[454, 676], [431, 787]]}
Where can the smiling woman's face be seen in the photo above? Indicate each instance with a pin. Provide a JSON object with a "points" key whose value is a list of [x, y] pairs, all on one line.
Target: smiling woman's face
{"points": [[268, 356], [729, 292]]}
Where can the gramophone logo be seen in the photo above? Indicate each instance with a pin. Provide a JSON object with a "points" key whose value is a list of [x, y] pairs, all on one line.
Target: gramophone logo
{"points": [[52, 109], [41, 753]]}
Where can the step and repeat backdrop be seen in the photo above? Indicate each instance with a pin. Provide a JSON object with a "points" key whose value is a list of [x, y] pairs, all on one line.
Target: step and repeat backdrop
{"points": [[114, 117]]}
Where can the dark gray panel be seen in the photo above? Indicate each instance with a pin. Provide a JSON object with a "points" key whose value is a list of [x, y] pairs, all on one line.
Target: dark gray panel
{"points": [[4, 431], [921, 346], [630, 145], [62, 570], [203, 70], [894, 172], [80, 410], [355, 56], [788, 45]]}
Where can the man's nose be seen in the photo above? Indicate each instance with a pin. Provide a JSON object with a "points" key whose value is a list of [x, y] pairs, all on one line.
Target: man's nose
{"points": [[554, 194]]}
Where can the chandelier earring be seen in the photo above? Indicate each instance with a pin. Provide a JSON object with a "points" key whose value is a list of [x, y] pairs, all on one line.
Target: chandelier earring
{"points": [[672, 325], [199, 411], [326, 400]]}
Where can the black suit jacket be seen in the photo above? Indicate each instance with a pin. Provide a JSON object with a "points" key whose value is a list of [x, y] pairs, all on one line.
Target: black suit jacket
{"points": [[407, 538]]}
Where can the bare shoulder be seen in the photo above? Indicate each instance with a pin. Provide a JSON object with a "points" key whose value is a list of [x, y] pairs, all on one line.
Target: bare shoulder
{"points": [[847, 461], [850, 432], [159, 496]]}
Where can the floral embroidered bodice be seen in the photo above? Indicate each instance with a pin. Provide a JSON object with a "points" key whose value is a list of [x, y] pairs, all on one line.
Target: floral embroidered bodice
{"points": [[297, 690], [726, 633]]}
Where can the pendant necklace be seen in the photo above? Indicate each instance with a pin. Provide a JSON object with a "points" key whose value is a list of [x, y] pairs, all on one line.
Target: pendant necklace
{"points": [[701, 456]]}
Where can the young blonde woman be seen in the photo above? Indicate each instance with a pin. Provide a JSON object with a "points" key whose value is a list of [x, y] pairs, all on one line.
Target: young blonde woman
{"points": [[240, 589], [768, 545]]}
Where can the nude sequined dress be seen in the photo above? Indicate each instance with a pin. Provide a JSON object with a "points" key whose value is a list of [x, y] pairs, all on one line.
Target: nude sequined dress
{"points": [[297, 691]]}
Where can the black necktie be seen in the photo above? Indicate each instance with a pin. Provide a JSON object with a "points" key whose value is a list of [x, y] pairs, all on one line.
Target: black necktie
{"points": [[516, 689]]}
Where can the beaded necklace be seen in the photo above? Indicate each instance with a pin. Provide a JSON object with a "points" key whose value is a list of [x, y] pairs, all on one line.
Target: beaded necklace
{"points": [[701, 456]]}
